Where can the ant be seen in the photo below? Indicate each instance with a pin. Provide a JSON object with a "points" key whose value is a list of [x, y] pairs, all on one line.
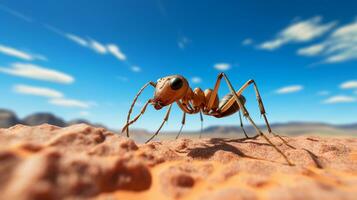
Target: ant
{"points": [[175, 88]]}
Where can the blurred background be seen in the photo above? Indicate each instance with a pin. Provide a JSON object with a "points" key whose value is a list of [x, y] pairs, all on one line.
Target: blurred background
{"points": [[64, 62]]}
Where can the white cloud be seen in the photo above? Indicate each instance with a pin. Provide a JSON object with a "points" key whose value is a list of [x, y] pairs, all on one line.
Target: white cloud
{"points": [[247, 41], [10, 51], [64, 102], [37, 91], [77, 39], [271, 45], [94, 45], [115, 51], [339, 99], [323, 93], [135, 69], [289, 89], [183, 42], [349, 84], [311, 50], [97, 46], [301, 31], [37, 72], [222, 66], [340, 46], [196, 79]]}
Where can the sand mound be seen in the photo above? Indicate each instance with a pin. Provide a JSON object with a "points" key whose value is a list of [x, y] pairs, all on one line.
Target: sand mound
{"points": [[81, 162]]}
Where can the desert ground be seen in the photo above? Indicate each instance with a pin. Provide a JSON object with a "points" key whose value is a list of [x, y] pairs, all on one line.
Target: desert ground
{"points": [[85, 162]]}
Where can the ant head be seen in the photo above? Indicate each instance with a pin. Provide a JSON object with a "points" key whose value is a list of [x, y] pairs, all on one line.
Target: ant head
{"points": [[168, 90]]}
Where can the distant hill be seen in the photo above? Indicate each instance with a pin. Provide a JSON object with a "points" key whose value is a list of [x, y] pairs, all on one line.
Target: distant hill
{"points": [[41, 118], [291, 128], [9, 118]]}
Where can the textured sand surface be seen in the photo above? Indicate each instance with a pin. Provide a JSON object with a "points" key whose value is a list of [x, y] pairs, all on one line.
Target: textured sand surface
{"points": [[81, 162]]}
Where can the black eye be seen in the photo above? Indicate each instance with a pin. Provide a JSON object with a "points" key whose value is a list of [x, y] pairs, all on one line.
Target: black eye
{"points": [[176, 83]]}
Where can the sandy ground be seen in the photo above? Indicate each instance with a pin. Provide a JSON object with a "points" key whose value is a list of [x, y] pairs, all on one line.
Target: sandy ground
{"points": [[81, 162]]}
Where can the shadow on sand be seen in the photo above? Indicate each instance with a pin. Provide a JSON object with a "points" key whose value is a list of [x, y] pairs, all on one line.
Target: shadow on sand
{"points": [[213, 145]]}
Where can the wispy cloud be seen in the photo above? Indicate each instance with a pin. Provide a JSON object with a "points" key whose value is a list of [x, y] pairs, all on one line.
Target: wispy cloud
{"points": [[196, 79], [11, 51], [64, 102], [135, 68], [311, 50], [15, 13], [301, 31], [339, 99], [352, 84], [95, 45], [222, 66], [289, 89], [37, 72], [92, 44], [247, 41], [340, 46], [183, 42], [54, 97], [115, 51], [98, 47], [77, 39], [37, 91]]}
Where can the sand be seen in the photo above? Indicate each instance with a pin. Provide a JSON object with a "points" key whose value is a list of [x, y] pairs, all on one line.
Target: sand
{"points": [[84, 162]]}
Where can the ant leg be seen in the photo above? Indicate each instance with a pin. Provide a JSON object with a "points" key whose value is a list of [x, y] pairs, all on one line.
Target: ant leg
{"points": [[134, 101], [214, 92], [162, 124], [241, 125], [201, 118], [262, 110], [246, 114], [182, 124], [126, 127]]}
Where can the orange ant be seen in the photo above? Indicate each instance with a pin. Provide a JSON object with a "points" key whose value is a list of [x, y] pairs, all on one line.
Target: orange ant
{"points": [[175, 88]]}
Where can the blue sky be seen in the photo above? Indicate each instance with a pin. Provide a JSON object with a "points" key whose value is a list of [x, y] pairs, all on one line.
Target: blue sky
{"points": [[88, 59]]}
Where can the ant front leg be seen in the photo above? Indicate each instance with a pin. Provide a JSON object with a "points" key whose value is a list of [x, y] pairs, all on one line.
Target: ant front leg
{"points": [[162, 124], [126, 127]]}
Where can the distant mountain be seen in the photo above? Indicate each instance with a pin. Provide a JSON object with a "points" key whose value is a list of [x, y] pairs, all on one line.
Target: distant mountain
{"points": [[78, 121], [291, 128], [9, 118], [41, 118], [349, 126]]}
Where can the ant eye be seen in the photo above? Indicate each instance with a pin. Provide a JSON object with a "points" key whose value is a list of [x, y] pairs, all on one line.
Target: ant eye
{"points": [[176, 83]]}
